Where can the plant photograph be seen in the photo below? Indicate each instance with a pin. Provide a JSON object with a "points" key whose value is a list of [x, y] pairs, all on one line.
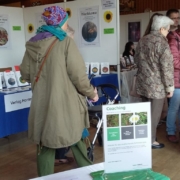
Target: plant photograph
{"points": [[142, 118], [113, 120], [125, 119]]}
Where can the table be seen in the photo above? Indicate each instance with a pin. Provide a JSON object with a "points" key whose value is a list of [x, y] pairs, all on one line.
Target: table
{"points": [[74, 174], [106, 79], [84, 174], [14, 121], [126, 82]]}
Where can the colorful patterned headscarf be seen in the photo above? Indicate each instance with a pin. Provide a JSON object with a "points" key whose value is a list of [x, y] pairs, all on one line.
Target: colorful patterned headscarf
{"points": [[54, 17]]}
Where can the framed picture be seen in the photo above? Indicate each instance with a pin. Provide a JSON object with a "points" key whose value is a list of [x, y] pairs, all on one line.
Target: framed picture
{"points": [[127, 5], [134, 31]]}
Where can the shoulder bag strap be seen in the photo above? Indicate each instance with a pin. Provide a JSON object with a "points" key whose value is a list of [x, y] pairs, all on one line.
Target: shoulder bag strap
{"points": [[42, 64]]}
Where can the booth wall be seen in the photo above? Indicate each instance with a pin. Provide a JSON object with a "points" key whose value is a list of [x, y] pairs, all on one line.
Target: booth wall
{"points": [[108, 49], [13, 54]]}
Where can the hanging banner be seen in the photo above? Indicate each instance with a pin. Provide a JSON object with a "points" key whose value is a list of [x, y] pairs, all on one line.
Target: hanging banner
{"points": [[108, 4], [127, 137], [89, 26], [4, 31]]}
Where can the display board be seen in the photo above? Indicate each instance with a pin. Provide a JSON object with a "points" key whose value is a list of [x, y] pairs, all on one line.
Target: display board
{"points": [[127, 137], [12, 37], [102, 42]]}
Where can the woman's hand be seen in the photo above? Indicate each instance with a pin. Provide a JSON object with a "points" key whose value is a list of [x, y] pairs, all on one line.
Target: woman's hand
{"points": [[95, 99], [170, 94], [95, 90]]}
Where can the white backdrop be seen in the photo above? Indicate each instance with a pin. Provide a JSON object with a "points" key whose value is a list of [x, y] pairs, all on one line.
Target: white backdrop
{"points": [[108, 51], [124, 19]]}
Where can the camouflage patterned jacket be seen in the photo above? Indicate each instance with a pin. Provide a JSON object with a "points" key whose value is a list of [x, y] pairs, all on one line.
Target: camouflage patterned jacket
{"points": [[154, 60]]}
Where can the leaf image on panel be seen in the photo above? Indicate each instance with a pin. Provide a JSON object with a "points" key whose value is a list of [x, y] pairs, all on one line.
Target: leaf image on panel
{"points": [[113, 120], [125, 119], [142, 118]]}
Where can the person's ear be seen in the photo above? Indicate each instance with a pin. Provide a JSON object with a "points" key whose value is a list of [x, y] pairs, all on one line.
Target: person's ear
{"points": [[161, 30], [64, 26]]}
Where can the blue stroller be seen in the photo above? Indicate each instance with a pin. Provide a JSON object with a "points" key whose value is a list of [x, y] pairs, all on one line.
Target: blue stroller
{"points": [[96, 112]]}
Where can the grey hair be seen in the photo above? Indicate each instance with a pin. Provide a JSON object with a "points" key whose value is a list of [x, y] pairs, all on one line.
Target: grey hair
{"points": [[70, 31], [161, 22]]}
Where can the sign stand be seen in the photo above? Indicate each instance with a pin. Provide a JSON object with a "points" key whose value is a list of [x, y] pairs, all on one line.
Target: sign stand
{"points": [[127, 137]]}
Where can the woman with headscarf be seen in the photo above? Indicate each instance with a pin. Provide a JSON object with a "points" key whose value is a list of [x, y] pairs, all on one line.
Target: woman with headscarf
{"points": [[58, 112], [155, 70]]}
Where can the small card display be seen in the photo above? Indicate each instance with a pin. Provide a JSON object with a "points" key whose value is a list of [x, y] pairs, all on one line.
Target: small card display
{"points": [[0, 82], [19, 79], [94, 68], [105, 68], [3, 82], [10, 79]]}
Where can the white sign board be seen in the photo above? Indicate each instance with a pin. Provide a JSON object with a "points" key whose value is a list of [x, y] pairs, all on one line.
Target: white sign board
{"points": [[108, 4], [17, 101], [127, 137]]}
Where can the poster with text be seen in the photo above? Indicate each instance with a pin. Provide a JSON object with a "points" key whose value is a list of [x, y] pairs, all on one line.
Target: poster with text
{"points": [[39, 20], [89, 26], [127, 137], [4, 31], [108, 4]]}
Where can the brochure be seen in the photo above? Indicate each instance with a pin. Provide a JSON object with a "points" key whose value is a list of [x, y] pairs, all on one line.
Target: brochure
{"points": [[10, 79], [19, 79]]}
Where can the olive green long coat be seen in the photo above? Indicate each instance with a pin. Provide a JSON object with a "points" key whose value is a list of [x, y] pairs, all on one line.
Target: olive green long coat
{"points": [[58, 113]]}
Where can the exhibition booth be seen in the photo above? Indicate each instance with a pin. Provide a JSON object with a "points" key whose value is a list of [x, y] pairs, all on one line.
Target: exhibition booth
{"points": [[125, 141]]}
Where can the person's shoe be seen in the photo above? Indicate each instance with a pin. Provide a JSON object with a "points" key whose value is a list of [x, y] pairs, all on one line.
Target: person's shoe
{"points": [[157, 146], [172, 138]]}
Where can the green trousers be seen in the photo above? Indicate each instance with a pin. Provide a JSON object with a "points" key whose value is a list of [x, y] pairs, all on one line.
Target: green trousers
{"points": [[46, 157]]}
